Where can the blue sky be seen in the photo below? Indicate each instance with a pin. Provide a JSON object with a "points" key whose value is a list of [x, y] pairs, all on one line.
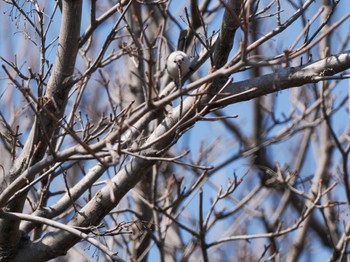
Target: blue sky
{"points": [[203, 133]]}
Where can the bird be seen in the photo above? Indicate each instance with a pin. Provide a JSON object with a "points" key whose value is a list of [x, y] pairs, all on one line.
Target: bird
{"points": [[178, 65]]}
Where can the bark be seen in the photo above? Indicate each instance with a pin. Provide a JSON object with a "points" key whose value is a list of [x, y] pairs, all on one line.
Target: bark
{"points": [[52, 104], [107, 198]]}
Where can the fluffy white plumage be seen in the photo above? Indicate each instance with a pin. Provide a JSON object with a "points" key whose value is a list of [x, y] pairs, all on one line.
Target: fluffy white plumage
{"points": [[178, 64]]}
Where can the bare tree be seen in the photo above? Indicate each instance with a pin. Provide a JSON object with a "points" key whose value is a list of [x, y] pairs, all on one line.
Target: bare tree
{"points": [[106, 157]]}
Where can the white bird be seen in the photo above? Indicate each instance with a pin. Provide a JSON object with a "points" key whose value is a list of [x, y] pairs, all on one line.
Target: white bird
{"points": [[178, 65]]}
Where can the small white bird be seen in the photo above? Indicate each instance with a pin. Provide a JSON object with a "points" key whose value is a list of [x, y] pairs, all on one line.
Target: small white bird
{"points": [[178, 65]]}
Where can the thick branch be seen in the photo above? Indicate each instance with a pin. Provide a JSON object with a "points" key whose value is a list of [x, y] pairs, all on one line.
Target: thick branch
{"points": [[107, 198], [44, 126], [285, 78]]}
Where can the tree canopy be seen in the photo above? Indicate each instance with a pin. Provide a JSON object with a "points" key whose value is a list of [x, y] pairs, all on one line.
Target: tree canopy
{"points": [[104, 156]]}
